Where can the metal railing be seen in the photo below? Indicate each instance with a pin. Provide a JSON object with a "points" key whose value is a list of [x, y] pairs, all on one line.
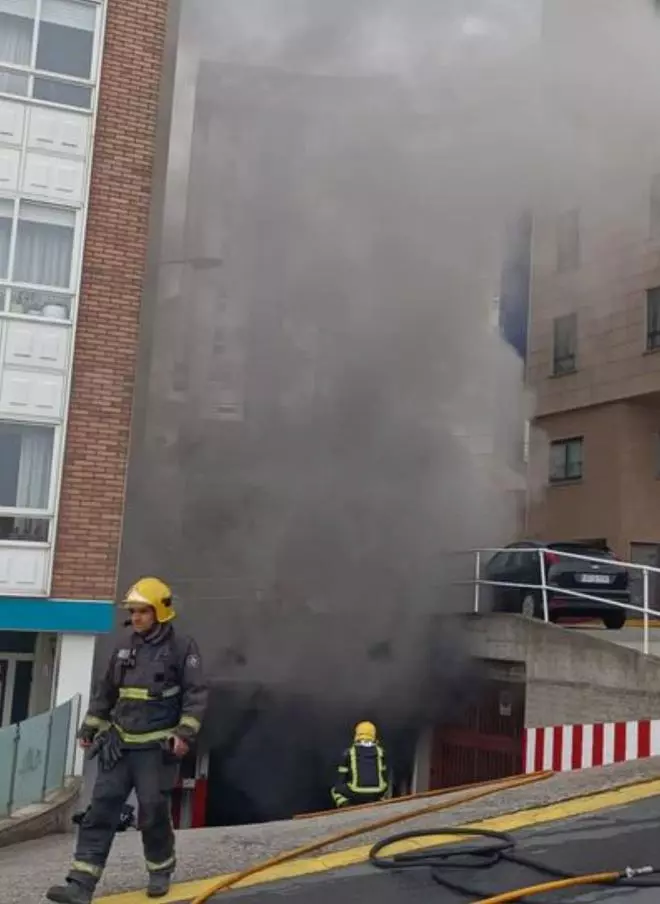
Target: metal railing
{"points": [[547, 589], [37, 756]]}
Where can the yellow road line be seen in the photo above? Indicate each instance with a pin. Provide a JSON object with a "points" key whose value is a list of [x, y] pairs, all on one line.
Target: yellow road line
{"points": [[577, 806]]}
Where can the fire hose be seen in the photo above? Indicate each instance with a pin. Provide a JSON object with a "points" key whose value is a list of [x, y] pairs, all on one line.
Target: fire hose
{"points": [[225, 883], [500, 848]]}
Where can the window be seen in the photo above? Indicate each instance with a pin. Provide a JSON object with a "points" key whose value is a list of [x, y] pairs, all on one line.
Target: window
{"points": [[66, 38], [36, 256], [653, 318], [6, 219], [566, 460], [180, 377], [44, 245], [568, 241], [26, 455], [13, 528], [17, 19], [564, 344], [20, 706], [656, 455], [18, 641], [654, 213], [26, 463], [50, 58]]}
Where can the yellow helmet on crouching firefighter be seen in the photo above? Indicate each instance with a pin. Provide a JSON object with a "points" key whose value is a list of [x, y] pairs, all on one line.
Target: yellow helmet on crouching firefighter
{"points": [[152, 592], [365, 731]]}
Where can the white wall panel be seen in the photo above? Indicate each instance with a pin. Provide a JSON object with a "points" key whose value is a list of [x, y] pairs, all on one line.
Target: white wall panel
{"points": [[58, 130], [10, 159], [53, 177], [23, 570], [74, 676], [46, 155], [37, 345], [12, 122], [31, 394]]}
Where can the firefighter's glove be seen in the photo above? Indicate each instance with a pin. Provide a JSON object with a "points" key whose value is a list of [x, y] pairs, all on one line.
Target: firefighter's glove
{"points": [[107, 747], [87, 733]]}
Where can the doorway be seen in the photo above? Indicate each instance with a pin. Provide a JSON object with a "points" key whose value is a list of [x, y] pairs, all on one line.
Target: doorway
{"points": [[16, 671], [486, 741], [17, 653]]}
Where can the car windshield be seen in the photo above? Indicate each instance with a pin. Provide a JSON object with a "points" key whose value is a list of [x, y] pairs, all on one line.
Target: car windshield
{"points": [[581, 550]]}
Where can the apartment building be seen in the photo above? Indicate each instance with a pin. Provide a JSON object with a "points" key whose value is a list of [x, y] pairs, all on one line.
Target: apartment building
{"points": [[79, 92], [594, 341]]}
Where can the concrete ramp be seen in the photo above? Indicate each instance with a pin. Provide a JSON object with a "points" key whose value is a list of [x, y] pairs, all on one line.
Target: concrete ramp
{"points": [[631, 637], [572, 676]]}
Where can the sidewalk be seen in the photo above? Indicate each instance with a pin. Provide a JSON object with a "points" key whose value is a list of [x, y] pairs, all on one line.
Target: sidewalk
{"points": [[27, 869]]}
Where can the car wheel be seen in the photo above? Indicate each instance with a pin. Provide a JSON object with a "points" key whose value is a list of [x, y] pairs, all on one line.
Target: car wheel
{"points": [[529, 606], [614, 621]]}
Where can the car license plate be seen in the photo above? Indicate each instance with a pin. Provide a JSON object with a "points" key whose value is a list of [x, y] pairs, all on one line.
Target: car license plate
{"points": [[594, 578]]}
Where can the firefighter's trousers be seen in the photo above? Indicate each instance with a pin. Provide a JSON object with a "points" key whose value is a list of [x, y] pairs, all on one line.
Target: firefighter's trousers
{"points": [[152, 773], [343, 796]]}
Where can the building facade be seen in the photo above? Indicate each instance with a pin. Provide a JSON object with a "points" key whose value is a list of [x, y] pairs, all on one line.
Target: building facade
{"points": [[593, 345], [79, 95]]}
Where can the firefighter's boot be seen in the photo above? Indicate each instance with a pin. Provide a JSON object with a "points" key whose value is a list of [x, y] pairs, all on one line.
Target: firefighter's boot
{"points": [[71, 892], [159, 884]]}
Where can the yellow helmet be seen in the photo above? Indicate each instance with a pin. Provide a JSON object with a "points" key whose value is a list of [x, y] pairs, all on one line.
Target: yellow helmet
{"points": [[365, 731], [152, 592]]}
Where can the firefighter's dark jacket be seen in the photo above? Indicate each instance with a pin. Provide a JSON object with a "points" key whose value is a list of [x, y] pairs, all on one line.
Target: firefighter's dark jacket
{"points": [[153, 689], [363, 769]]}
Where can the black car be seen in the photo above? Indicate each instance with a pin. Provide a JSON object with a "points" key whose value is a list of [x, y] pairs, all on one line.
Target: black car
{"points": [[604, 578]]}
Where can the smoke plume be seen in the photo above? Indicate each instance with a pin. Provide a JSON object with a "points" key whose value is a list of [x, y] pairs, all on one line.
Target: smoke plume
{"points": [[332, 416]]}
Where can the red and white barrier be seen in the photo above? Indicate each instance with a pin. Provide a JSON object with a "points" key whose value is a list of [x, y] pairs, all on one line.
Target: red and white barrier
{"points": [[563, 748]]}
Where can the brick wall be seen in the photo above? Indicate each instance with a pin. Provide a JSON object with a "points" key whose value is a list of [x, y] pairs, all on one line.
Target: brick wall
{"points": [[92, 498]]}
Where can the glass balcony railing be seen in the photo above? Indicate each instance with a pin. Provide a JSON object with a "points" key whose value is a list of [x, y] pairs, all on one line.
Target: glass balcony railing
{"points": [[36, 756]]}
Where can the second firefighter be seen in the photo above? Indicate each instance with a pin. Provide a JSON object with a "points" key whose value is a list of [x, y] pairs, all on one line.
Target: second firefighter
{"points": [[362, 773]]}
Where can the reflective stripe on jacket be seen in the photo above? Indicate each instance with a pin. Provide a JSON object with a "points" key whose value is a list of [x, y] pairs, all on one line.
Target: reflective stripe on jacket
{"points": [[364, 769], [153, 688]]}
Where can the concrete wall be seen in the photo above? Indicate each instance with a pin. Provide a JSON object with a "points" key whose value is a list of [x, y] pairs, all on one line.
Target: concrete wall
{"points": [[571, 678]]}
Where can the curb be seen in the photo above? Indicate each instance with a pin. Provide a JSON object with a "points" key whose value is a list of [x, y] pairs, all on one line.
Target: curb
{"points": [[496, 784], [53, 816]]}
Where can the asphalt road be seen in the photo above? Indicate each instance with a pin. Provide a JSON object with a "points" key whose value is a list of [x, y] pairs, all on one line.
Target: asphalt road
{"points": [[609, 840]]}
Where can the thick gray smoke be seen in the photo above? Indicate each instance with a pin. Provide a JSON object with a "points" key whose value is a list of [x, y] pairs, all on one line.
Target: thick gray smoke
{"points": [[331, 415], [354, 208]]}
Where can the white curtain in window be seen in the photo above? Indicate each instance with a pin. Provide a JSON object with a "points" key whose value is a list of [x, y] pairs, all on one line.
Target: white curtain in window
{"points": [[34, 468], [44, 246], [16, 29]]}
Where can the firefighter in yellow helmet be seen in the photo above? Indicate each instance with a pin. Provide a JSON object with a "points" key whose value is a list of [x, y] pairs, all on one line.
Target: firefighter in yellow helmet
{"points": [[362, 773], [143, 717]]}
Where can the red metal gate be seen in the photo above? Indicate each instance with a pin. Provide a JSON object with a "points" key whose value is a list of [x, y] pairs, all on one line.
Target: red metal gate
{"points": [[487, 741], [189, 796]]}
